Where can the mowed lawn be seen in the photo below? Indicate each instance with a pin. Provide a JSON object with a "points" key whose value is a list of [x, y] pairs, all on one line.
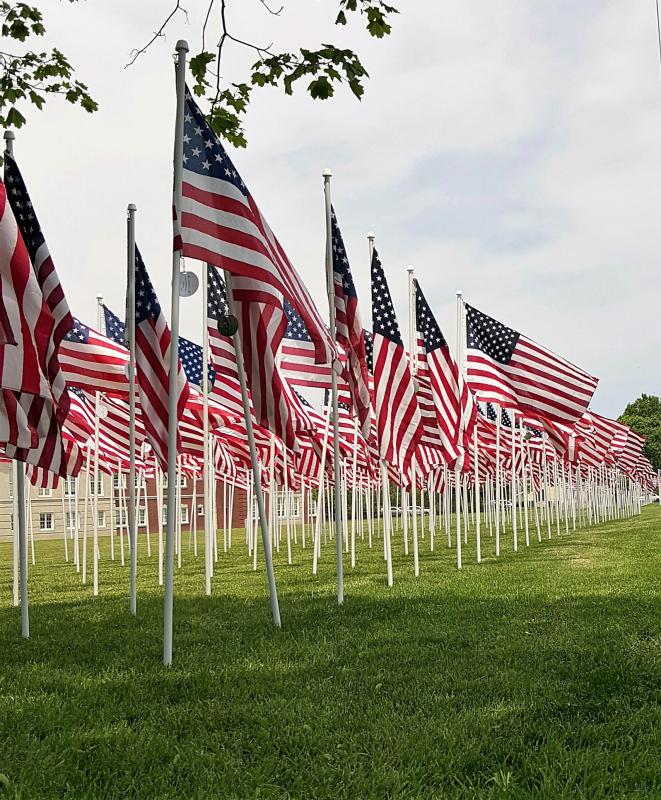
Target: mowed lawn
{"points": [[536, 675]]}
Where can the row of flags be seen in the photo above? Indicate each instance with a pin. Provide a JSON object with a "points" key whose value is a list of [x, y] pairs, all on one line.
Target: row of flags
{"points": [[419, 414]]}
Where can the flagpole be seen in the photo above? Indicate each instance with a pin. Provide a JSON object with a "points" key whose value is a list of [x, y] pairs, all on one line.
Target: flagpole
{"points": [[413, 363], [268, 555], [19, 494], [130, 331], [330, 286], [173, 394], [206, 480], [460, 306]]}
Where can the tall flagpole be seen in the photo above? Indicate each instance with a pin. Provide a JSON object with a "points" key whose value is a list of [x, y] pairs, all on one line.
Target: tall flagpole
{"points": [[256, 471], [130, 331], [414, 365], [460, 308], [168, 602], [330, 286], [206, 468]]}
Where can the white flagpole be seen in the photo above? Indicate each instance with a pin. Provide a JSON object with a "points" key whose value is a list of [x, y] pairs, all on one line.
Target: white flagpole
{"points": [[130, 331], [19, 492], [515, 534], [268, 556], [206, 467], [330, 286], [478, 541], [457, 480], [168, 602], [15, 537], [414, 365]]}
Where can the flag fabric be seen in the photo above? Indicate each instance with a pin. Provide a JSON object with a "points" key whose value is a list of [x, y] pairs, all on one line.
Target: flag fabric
{"points": [[219, 223], [349, 329], [152, 346], [94, 362], [49, 333], [507, 368], [398, 421], [33, 398], [453, 401], [297, 354]]}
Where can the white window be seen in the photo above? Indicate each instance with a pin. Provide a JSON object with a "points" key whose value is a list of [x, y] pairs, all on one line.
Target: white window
{"points": [[116, 482], [70, 487], [70, 520], [294, 506], [99, 486], [184, 514], [45, 492], [200, 510], [46, 522], [102, 519], [120, 518], [183, 481], [142, 516]]}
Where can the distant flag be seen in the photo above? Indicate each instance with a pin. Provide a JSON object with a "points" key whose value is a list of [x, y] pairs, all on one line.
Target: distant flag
{"points": [[152, 340], [94, 362], [191, 360], [349, 329], [219, 223], [453, 401], [507, 368], [297, 354], [398, 422]]}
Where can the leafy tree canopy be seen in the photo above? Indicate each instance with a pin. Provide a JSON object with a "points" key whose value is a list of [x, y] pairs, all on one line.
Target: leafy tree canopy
{"points": [[644, 417], [29, 76]]}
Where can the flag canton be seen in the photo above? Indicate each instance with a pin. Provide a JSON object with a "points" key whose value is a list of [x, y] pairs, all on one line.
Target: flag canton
{"points": [[303, 401], [80, 334], [203, 153], [146, 302], [426, 323], [22, 207], [341, 260], [490, 336], [217, 306], [295, 326], [491, 413], [369, 350], [384, 321], [191, 360], [115, 328]]}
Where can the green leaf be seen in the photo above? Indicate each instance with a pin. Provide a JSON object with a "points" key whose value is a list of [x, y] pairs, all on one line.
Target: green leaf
{"points": [[321, 88], [14, 118]]}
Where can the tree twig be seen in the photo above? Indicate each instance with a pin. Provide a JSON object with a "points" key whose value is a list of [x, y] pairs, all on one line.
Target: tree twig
{"points": [[135, 54]]}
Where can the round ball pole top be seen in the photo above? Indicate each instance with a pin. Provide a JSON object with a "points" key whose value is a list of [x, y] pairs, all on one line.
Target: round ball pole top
{"points": [[182, 46], [327, 173], [8, 135], [371, 235], [459, 293], [409, 269], [99, 298], [132, 207]]}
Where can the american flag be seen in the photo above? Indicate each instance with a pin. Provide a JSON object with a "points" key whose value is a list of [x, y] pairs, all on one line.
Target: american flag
{"points": [[226, 388], [221, 224], [191, 360], [152, 345], [94, 362], [32, 409], [53, 330], [398, 421], [297, 354], [453, 401], [349, 329], [507, 368]]}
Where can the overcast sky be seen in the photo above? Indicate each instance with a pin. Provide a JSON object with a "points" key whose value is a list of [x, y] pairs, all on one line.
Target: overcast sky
{"points": [[512, 150]]}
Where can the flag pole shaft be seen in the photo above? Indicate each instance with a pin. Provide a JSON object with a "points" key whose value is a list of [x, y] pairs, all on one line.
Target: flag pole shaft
{"points": [[263, 524], [130, 330], [457, 481], [414, 365], [19, 496], [206, 467], [330, 285], [182, 49]]}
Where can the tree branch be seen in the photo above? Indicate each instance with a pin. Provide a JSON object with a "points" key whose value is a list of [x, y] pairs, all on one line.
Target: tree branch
{"points": [[135, 54]]}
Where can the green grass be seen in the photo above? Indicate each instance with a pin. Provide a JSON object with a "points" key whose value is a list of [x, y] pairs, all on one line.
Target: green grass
{"points": [[534, 676]]}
